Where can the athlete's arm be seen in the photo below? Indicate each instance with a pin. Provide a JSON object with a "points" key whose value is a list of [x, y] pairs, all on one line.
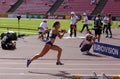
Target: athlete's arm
{"points": [[46, 31]]}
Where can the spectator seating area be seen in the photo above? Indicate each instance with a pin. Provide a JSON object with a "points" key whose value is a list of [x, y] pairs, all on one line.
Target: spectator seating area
{"points": [[5, 5], [35, 6], [113, 7], [42, 6], [78, 6]]}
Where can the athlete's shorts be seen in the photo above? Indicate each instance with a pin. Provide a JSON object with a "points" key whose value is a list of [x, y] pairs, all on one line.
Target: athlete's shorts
{"points": [[49, 42]]}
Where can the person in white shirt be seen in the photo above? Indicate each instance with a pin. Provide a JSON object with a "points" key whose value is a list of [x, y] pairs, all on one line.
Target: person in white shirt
{"points": [[85, 21], [43, 26], [105, 20], [73, 22]]}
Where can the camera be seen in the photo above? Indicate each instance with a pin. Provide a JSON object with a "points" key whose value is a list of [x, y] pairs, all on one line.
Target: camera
{"points": [[19, 17], [13, 35]]}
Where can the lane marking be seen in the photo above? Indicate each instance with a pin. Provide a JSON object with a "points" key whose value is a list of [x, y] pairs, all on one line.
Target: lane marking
{"points": [[73, 69], [66, 64], [67, 37]]}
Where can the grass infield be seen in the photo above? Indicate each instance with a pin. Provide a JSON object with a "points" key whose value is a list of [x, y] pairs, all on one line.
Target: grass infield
{"points": [[29, 26]]}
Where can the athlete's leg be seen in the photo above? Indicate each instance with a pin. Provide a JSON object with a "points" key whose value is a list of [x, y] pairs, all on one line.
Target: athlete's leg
{"points": [[99, 36], [110, 31], [82, 28], [87, 27], [44, 51], [71, 29], [57, 48], [75, 28]]}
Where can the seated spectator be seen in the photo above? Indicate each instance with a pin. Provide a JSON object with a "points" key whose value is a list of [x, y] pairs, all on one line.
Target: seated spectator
{"points": [[43, 26], [86, 44], [7, 42], [93, 2]]}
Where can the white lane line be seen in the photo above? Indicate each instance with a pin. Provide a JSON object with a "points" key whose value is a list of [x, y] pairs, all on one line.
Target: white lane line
{"points": [[82, 37], [20, 74], [72, 69], [35, 73], [66, 64]]}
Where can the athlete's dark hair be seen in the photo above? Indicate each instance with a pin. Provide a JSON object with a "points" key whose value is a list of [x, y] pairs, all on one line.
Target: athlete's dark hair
{"points": [[56, 23]]}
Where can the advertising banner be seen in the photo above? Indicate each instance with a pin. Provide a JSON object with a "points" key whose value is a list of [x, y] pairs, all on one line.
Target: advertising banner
{"points": [[55, 17], [37, 16], [107, 49]]}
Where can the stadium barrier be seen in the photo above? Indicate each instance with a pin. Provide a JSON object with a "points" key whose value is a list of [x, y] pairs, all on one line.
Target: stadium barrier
{"points": [[41, 16], [107, 49], [38, 16], [4, 15]]}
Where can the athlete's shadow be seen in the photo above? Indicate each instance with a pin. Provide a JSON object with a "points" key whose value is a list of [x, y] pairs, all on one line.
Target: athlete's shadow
{"points": [[94, 55], [62, 74]]}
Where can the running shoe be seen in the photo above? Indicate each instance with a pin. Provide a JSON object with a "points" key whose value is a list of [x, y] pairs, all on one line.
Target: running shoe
{"points": [[28, 62], [59, 63]]}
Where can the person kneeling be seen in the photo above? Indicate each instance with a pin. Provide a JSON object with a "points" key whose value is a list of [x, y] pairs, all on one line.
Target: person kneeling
{"points": [[86, 44], [7, 42]]}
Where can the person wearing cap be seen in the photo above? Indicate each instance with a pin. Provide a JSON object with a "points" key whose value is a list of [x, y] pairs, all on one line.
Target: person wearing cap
{"points": [[86, 44], [43, 26], [73, 22], [85, 21]]}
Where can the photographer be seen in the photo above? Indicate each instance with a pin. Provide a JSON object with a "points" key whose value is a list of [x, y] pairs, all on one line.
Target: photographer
{"points": [[7, 42], [86, 44], [98, 27]]}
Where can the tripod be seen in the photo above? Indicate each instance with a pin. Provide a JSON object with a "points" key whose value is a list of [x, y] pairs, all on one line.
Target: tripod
{"points": [[19, 35]]}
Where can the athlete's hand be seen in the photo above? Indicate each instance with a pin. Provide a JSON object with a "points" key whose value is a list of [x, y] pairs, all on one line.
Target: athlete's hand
{"points": [[64, 31]]}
